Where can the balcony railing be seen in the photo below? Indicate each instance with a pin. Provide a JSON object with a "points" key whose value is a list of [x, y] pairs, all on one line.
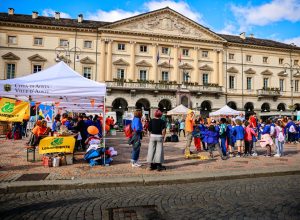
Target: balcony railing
{"points": [[267, 92], [163, 86]]}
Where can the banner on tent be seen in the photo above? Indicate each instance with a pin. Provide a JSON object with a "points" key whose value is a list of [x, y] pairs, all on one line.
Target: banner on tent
{"points": [[46, 112], [50, 145], [12, 110]]}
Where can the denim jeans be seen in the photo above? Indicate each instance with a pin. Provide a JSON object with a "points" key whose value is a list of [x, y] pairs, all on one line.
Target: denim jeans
{"points": [[223, 146], [136, 147], [279, 147]]}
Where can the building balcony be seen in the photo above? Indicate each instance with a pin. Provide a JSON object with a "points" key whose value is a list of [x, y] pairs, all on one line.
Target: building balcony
{"points": [[274, 93], [148, 85]]}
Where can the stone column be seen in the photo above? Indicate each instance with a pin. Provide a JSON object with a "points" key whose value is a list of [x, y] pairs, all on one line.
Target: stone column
{"points": [[221, 76], [153, 74], [195, 72], [101, 77], [109, 61], [215, 76], [132, 73], [176, 74]]}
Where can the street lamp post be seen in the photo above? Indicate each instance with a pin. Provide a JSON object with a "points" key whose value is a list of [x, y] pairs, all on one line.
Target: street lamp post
{"points": [[62, 52], [292, 67]]}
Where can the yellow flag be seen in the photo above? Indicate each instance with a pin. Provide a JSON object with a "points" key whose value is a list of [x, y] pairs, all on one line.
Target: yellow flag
{"points": [[12, 110]]}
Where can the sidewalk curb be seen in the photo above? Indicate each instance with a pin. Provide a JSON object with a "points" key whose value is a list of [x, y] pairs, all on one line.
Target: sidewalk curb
{"points": [[31, 186]]}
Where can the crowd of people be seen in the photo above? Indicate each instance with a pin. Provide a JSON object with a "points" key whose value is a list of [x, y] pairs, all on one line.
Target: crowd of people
{"points": [[230, 136]]}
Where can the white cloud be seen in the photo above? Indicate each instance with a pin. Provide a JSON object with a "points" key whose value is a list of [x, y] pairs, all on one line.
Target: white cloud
{"points": [[51, 13], [110, 16], [118, 14], [295, 40], [180, 6], [228, 29], [274, 11]]}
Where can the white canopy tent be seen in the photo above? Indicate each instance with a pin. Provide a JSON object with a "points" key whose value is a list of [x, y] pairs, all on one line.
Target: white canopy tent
{"points": [[58, 84], [179, 110], [226, 110]]}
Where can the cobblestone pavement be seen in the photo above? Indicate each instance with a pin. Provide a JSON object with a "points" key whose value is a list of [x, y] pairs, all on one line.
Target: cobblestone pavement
{"points": [[13, 162], [260, 198]]}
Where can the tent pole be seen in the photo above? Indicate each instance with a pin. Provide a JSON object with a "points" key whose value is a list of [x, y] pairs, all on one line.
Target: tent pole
{"points": [[36, 113], [104, 130]]}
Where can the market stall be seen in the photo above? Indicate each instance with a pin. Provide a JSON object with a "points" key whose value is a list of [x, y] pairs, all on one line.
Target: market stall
{"points": [[60, 86], [179, 110], [224, 111]]}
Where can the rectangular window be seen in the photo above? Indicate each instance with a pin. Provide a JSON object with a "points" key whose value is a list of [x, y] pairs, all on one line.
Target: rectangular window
{"points": [[165, 75], [121, 46], [37, 68], [143, 74], [266, 83], [296, 85], [143, 48], [87, 72], [205, 78], [248, 58], [265, 59], [249, 83], [205, 53], [186, 76], [12, 40], [165, 50], [296, 62], [231, 56], [231, 82], [120, 73], [87, 44], [10, 70], [280, 61], [185, 52], [38, 41], [63, 43], [281, 85]]}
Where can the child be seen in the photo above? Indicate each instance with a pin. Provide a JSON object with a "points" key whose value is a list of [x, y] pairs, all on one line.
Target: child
{"points": [[239, 133], [279, 138], [266, 139], [93, 141], [222, 133], [211, 138], [249, 133], [230, 136], [197, 140]]}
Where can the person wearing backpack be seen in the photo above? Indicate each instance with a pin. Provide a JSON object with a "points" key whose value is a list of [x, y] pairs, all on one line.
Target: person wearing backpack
{"points": [[279, 139], [222, 135], [136, 138], [291, 129]]}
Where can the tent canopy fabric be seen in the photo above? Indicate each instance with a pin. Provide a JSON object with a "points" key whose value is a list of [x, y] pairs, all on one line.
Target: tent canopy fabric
{"points": [[58, 83], [179, 110], [226, 110]]}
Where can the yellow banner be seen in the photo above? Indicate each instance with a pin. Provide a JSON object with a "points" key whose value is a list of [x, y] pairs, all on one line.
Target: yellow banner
{"points": [[12, 110], [50, 145]]}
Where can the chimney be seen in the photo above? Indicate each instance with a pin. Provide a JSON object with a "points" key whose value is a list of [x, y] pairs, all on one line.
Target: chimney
{"points": [[243, 35], [80, 18], [57, 15], [251, 35], [35, 14], [11, 11]]}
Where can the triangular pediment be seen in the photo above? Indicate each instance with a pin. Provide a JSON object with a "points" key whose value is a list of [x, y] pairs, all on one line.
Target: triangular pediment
{"points": [[87, 60], [232, 70], [121, 62], [10, 56], [165, 65], [206, 68], [167, 22], [266, 72], [186, 66], [283, 73], [250, 71], [143, 63], [37, 58]]}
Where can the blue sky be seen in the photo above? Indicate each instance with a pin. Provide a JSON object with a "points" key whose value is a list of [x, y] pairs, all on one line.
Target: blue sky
{"points": [[271, 19]]}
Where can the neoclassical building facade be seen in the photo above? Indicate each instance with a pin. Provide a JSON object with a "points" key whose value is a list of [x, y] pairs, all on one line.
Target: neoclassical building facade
{"points": [[158, 59]]}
